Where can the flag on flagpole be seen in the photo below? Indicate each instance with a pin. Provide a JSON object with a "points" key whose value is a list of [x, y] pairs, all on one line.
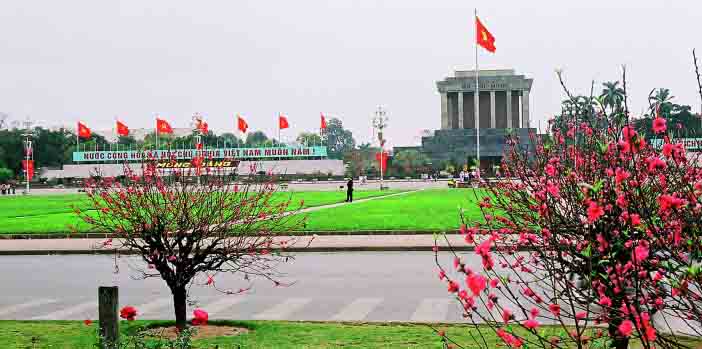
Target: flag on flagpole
{"points": [[484, 37], [323, 121], [162, 126], [241, 124], [283, 122], [83, 131], [122, 129]]}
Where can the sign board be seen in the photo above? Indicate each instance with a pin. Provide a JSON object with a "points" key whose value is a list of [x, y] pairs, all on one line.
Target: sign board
{"points": [[690, 144], [191, 164], [290, 153]]}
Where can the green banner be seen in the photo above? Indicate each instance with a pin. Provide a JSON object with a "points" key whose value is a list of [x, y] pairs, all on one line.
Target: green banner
{"points": [[291, 153], [690, 144]]}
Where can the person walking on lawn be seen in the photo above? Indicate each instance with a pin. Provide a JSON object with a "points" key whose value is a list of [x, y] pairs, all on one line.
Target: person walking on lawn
{"points": [[349, 190]]}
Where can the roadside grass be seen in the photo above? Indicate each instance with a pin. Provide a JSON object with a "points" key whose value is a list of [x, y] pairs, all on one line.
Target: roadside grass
{"points": [[281, 334], [422, 210], [54, 213]]}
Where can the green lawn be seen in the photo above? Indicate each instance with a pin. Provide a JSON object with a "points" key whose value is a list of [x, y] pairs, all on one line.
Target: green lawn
{"points": [[276, 334], [53, 213], [424, 210]]}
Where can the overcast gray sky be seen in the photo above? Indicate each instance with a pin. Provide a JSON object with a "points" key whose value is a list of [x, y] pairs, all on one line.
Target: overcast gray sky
{"points": [[61, 61]]}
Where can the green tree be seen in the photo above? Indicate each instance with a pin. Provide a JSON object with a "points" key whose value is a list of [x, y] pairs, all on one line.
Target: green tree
{"points": [[337, 139], [309, 138], [409, 162], [257, 139], [5, 175], [612, 95]]}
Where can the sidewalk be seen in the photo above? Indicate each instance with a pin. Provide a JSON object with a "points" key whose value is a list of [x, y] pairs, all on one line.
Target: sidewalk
{"points": [[335, 243]]}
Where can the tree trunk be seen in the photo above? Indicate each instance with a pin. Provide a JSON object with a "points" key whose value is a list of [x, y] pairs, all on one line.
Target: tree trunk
{"points": [[180, 306]]}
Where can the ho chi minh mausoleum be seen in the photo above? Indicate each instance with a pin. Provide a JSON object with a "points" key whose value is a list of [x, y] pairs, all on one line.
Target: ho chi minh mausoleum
{"points": [[503, 107]]}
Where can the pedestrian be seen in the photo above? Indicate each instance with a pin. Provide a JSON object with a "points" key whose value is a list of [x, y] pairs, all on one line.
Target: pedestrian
{"points": [[3, 188], [349, 190], [13, 188]]}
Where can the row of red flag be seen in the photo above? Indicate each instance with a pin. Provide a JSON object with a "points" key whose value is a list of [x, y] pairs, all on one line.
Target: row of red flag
{"points": [[163, 127]]}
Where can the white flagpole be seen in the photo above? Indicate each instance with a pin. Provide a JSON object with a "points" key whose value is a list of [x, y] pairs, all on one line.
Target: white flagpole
{"points": [[477, 98]]}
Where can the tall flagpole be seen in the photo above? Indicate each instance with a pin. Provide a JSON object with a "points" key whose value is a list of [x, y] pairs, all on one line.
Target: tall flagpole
{"points": [[477, 99]]}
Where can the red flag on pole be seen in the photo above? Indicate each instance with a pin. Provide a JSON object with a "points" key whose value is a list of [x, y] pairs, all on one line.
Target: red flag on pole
{"points": [[162, 126], [122, 129], [28, 165], [485, 39], [83, 131], [323, 123], [241, 123], [382, 159], [202, 126], [283, 122]]}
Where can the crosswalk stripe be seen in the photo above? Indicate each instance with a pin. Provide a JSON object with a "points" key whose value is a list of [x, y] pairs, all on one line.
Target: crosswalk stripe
{"points": [[65, 313], [152, 306], [213, 309], [357, 310], [282, 310], [431, 310], [17, 307]]}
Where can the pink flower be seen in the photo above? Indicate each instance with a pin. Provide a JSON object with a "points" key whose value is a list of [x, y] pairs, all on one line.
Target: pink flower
{"points": [[641, 253], [550, 170], [506, 315], [658, 125], [453, 287], [534, 312], [626, 328], [581, 315], [88, 322], [605, 301], [655, 163], [200, 317], [442, 275], [172, 259], [494, 283], [531, 324], [210, 280], [667, 150], [594, 212], [477, 283], [635, 219], [128, 313], [555, 309], [620, 175]]}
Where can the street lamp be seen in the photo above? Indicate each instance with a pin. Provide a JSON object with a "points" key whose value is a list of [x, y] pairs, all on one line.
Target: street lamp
{"points": [[380, 121], [28, 152]]}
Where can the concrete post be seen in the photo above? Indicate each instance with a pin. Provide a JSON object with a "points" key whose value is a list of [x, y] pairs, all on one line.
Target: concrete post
{"points": [[444, 111], [525, 109], [509, 108], [460, 110], [492, 109], [108, 302]]}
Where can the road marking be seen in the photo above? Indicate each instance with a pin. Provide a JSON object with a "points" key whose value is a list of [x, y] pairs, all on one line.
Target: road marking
{"points": [[17, 307], [357, 310], [282, 310], [153, 306], [66, 313], [214, 309], [431, 310]]}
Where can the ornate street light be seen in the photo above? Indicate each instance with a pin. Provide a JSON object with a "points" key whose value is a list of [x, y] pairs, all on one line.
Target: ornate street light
{"points": [[380, 122]]}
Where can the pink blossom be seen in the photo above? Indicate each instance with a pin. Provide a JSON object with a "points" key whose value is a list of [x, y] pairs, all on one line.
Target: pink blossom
{"points": [[620, 175], [129, 313], [667, 150], [550, 170], [534, 312], [655, 163], [635, 219], [555, 309], [580, 315], [605, 301], [531, 324], [626, 328], [200, 317], [453, 287], [641, 252], [658, 125], [494, 283], [477, 283], [506, 315], [594, 212], [442, 275]]}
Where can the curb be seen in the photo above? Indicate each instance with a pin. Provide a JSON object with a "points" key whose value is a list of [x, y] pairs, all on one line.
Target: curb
{"points": [[30, 236]]}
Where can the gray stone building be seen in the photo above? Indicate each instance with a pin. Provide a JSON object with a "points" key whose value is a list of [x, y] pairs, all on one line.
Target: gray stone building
{"points": [[503, 107]]}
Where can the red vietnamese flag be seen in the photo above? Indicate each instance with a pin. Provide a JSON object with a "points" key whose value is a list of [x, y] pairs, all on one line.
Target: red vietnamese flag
{"points": [[202, 126], [122, 129], [28, 166], [83, 131], [323, 123], [485, 39], [241, 123], [162, 126], [283, 122]]}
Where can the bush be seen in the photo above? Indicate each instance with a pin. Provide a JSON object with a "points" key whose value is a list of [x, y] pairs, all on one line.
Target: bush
{"points": [[5, 174]]}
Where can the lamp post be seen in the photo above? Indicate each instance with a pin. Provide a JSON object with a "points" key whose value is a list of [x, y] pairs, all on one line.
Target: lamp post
{"points": [[380, 122], [28, 151]]}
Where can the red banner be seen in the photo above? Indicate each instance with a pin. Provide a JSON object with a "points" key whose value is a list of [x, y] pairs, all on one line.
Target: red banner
{"points": [[28, 166], [382, 159]]}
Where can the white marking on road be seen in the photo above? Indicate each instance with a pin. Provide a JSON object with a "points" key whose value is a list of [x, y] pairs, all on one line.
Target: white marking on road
{"points": [[431, 310], [214, 309], [17, 307], [146, 308], [66, 313], [282, 310], [357, 310]]}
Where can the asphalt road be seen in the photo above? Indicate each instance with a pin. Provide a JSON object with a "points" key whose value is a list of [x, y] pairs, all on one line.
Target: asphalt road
{"points": [[364, 286]]}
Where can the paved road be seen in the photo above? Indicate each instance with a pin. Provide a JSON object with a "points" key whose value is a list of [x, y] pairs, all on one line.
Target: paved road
{"points": [[363, 286]]}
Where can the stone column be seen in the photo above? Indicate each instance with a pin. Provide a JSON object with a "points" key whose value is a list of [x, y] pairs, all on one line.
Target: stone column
{"points": [[444, 111], [525, 108], [509, 108], [492, 109], [460, 110]]}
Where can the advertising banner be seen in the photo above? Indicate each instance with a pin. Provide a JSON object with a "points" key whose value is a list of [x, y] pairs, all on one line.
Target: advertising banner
{"points": [[290, 153]]}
